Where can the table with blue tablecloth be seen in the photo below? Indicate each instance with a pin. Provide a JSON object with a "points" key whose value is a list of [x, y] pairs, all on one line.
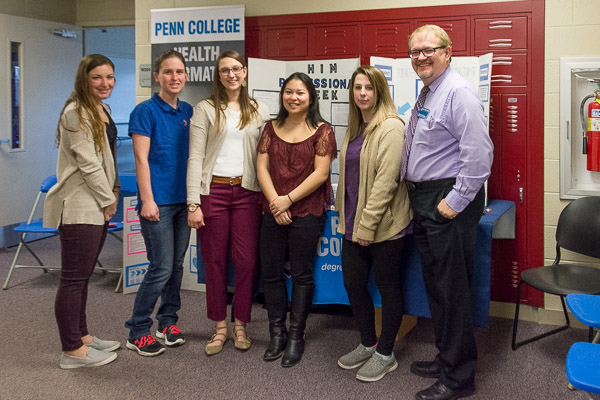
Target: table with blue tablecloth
{"points": [[498, 222]]}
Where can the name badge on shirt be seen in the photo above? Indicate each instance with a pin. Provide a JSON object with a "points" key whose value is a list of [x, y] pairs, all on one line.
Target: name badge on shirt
{"points": [[423, 113]]}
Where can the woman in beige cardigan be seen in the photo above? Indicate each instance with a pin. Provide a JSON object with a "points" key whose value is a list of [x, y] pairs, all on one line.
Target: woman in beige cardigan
{"points": [[223, 194], [374, 218], [81, 204]]}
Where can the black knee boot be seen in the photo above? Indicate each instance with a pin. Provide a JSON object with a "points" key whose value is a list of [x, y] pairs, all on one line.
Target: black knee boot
{"points": [[302, 296], [276, 302]]}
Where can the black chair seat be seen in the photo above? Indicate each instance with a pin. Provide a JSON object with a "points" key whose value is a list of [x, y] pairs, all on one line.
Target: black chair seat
{"points": [[564, 279], [577, 230]]}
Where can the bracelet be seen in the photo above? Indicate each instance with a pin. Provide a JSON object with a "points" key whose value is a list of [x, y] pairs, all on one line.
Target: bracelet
{"points": [[290, 198]]}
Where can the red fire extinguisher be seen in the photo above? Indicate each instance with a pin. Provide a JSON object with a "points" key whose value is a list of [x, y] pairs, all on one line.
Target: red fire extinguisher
{"points": [[591, 132]]}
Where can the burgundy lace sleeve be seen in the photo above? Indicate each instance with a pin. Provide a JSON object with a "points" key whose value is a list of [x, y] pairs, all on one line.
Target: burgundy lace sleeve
{"points": [[326, 144], [265, 139]]}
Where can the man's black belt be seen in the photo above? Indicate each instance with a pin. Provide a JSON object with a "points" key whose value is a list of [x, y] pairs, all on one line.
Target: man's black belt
{"points": [[412, 186]]}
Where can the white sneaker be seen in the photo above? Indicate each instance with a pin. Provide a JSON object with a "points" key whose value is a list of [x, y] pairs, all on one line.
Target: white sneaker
{"points": [[104, 345], [376, 368], [95, 358]]}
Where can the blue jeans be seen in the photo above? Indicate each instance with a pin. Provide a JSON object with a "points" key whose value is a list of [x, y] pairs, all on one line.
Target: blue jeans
{"points": [[166, 244]]}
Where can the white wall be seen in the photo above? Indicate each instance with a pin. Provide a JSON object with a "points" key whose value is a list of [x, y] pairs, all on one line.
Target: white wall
{"points": [[49, 64]]}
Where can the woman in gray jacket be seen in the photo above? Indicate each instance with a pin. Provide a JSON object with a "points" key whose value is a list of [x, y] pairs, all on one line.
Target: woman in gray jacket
{"points": [[81, 204], [374, 218]]}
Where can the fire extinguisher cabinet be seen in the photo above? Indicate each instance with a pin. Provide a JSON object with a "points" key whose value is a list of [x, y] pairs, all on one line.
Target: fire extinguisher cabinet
{"points": [[579, 127]]}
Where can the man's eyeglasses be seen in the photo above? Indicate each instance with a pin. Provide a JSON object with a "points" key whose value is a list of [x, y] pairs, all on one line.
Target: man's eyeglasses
{"points": [[235, 70], [426, 52]]}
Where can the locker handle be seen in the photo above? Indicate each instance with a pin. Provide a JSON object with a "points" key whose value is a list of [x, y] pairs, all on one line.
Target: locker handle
{"points": [[502, 76], [501, 63], [500, 44], [521, 195], [500, 40], [501, 27], [509, 22], [501, 80]]}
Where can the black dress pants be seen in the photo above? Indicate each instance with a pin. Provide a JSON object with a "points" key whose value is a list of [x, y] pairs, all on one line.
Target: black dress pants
{"points": [[447, 250]]}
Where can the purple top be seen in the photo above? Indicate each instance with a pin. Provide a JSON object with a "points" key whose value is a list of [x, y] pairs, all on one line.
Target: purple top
{"points": [[452, 141], [352, 181]]}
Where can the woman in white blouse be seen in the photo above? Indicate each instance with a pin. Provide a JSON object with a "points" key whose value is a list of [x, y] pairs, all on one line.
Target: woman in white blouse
{"points": [[223, 194]]}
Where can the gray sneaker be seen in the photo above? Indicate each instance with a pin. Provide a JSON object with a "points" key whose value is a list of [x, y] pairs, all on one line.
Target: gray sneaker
{"points": [[356, 357], [104, 345], [95, 358], [376, 368]]}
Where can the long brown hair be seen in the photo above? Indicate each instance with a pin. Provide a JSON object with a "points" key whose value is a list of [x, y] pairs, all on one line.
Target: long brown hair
{"points": [[218, 97], [85, 105], [384, 106]]}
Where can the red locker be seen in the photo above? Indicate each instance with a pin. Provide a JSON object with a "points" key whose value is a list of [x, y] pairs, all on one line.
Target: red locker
{"points": [[513, 32], [457, 29], [336, 41], [501, 33]]}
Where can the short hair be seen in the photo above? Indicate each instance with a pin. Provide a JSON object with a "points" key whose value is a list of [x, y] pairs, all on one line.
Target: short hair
{"points": [[439, 32], [164, 56]]}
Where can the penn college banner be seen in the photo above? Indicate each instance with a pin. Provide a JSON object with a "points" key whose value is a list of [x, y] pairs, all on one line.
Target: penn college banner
{"points": [[200, 34]]}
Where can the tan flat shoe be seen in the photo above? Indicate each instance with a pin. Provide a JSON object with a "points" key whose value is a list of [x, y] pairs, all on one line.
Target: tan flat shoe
{"points": [[239, 331], [219, 338]]}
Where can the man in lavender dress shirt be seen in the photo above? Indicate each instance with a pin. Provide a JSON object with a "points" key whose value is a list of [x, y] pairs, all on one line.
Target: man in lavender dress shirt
{"points": [[450, 159]]}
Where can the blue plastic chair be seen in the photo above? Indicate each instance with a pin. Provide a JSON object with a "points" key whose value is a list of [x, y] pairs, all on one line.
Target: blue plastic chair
{"points": [[583, 366], [128, 185], [586, 308], [30, 227]]}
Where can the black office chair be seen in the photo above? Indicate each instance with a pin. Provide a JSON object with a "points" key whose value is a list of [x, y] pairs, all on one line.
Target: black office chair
{"points": [[578, 230]]}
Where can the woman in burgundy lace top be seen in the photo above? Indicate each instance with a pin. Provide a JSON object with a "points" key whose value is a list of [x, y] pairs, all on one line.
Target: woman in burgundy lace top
{"points": [[294, 156]]}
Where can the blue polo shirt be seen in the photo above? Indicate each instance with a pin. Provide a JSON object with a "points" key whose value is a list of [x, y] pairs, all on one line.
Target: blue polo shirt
{"points": [[168, 129]]}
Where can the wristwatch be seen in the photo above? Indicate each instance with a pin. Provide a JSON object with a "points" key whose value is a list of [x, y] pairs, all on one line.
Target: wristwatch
{"points": [[193, 207]]}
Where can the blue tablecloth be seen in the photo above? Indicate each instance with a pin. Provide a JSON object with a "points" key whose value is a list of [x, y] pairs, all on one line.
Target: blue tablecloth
{"points": [[329, 286]]}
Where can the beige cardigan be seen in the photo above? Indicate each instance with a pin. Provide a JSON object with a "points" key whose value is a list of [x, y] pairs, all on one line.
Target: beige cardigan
{"points": [[86, 178], [205, 146], [383, 209]]}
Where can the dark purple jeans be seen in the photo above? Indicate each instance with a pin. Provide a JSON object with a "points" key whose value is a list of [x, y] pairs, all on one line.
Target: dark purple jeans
{"points": [[80, 247]]}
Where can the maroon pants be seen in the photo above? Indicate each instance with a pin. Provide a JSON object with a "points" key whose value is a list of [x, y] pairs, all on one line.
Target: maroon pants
{"points": [[80, 247], [232, 215]]}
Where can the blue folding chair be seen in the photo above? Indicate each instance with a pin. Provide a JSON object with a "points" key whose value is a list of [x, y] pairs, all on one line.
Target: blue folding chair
{"points": [[583, 368], [33, 226], [128, 186], [586, 308]]}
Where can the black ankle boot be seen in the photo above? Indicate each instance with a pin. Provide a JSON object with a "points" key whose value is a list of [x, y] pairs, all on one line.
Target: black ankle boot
{"points": [[293, 352], [276, 345], [301, 301], [276, 302]]}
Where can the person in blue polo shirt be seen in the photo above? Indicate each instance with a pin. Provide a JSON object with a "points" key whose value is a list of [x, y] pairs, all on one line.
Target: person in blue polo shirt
{"points": [[159, 128]]}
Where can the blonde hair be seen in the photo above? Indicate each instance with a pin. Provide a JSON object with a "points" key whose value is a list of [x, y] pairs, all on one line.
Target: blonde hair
{"points": [[384, 106], [218, 97], [439, 32], [85, 105]]}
